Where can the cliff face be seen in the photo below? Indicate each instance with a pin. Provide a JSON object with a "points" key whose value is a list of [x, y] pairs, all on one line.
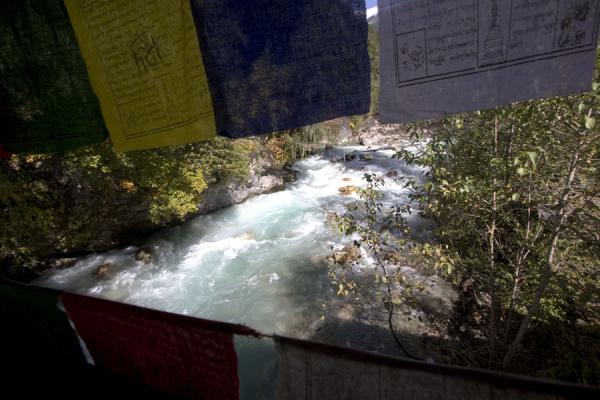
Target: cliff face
{"points": [[263, 179]]}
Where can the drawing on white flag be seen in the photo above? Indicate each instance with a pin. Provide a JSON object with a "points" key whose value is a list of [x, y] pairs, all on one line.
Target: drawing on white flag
{"points": [[448, 56]]}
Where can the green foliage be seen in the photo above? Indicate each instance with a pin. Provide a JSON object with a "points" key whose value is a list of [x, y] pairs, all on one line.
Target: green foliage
{"points": [[284, 148], [26, 212], [496, 188], [58, 203], [373, 48], [436, 259], [382, 233], [173, 178]]}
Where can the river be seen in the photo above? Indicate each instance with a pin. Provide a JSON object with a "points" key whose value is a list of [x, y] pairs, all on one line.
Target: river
{"points": [[260, 263]]}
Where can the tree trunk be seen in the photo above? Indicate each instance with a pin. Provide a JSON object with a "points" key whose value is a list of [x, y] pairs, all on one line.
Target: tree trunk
{"points": [[492, 257], [548, 269], [522, 255]]}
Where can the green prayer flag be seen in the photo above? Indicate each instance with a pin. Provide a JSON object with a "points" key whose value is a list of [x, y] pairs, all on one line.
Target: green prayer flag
{"points": [[35, 332], [46, 101]]}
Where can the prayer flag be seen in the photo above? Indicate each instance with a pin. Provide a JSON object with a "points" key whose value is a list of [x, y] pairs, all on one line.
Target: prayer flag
{"points": [[311, 370], [145, 65], [36, 334], [46, 102], [184, 356], [444, 57], [282, 64]]}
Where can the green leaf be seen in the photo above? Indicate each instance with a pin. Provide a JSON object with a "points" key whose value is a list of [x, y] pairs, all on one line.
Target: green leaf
{"points": [[516, 196], [590, 122], [581, 107], [532, 157], [494, 162], [522, 171]]}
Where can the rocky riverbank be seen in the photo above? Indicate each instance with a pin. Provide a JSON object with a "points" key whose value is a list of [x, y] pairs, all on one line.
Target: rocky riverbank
{"points": [[56, 208], [373, 134], [264, 178]]}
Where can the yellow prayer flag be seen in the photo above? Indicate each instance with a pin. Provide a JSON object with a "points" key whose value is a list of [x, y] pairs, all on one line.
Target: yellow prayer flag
{"points": [[145, 65]]}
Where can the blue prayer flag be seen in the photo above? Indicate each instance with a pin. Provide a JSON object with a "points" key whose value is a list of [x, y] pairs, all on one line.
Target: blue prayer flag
{"points": [[281, 64]]}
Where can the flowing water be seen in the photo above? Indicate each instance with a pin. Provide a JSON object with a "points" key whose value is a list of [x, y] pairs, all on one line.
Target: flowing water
{"points": [[260, 263]]}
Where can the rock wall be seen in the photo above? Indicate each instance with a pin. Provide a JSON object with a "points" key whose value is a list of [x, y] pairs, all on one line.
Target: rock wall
{"points": [[263, 179]]}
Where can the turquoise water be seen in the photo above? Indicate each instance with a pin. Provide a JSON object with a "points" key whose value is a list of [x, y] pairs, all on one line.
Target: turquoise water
{"points": [[259, 263]]}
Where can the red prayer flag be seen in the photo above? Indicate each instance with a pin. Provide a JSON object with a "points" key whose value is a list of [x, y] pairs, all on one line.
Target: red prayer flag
{"points": [[184, 356]]}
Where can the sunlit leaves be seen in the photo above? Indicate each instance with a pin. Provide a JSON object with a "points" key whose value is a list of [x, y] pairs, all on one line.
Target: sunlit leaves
{"points": [[590, 122]]}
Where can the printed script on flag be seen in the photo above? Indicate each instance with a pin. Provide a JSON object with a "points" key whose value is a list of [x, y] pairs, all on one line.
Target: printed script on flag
{"points": [[444, 57], [145, 66]]}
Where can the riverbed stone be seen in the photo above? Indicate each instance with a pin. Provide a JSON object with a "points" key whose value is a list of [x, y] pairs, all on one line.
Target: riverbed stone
{"points": [[62, 263], [247, 236], [145, 255], [372, 133], [392, 257], [348, 254], [103, 270], [348, 190]]}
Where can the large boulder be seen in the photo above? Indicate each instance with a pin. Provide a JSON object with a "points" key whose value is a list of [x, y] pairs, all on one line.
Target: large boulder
{"points": [[225, 194], [435, 296]]}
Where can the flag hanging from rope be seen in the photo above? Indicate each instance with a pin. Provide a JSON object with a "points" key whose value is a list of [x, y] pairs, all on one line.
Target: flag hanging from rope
{"points": [[46, 102], [185, 356], [145, 65], [309, 370], [444, 57], [281, 64], [36, 334]]}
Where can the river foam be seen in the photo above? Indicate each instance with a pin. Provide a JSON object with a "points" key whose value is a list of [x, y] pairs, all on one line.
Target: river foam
{"points": [[259, 263]]}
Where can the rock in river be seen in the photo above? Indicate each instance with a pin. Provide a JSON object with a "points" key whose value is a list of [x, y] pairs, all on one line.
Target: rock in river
{"points": [[347, 190]]}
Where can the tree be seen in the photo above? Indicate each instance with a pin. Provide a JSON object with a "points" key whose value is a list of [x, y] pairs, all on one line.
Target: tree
{"points": [[515, 194], [383, 236]]}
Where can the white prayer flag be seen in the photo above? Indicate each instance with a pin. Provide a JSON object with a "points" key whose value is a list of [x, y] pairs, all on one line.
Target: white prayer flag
{"points": [[449, 56]]}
